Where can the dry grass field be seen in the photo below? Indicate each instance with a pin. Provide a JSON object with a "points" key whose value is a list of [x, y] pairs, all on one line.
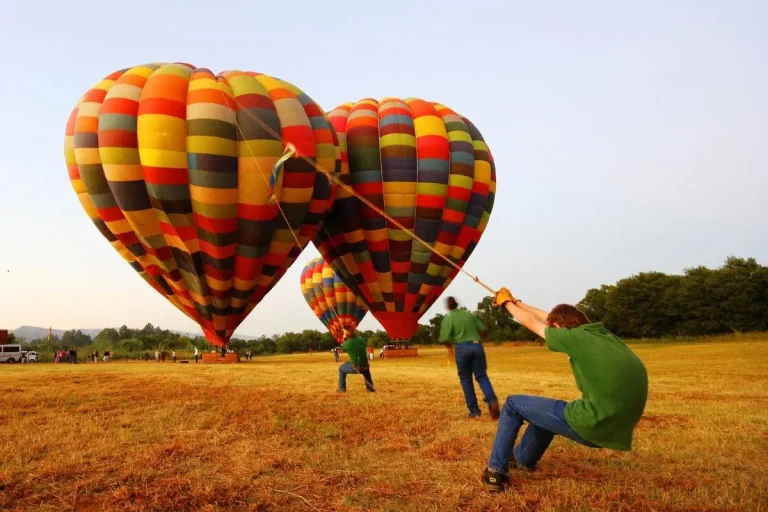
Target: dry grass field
{"points": [[271, 434]]}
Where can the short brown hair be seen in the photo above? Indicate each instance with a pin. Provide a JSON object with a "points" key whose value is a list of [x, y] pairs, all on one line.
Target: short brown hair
{"points": [[566, 316], [451, 303]]}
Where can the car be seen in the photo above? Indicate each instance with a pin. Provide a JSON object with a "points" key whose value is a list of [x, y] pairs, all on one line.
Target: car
{"points": [[33, 356], [11, 353]]}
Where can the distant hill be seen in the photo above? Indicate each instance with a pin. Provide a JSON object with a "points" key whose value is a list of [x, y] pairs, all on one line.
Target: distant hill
{"points": [[30, 332]]}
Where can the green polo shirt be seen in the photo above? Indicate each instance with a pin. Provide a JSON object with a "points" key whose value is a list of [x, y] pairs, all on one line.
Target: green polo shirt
{"points": [[613, 382], [355, 347], [460, 325]]}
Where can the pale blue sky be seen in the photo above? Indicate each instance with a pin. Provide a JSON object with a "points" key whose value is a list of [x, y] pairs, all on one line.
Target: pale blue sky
{"points": [[627, 137]]}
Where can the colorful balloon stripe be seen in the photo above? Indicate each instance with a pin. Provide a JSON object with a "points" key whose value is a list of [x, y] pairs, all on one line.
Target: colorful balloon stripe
{"points": [[332, 301], [429, 169], [172, 164]]}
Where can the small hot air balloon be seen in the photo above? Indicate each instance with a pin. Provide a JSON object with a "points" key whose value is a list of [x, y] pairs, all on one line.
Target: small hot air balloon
{"points": [[208, 185], [332, 301], [429, 169]]}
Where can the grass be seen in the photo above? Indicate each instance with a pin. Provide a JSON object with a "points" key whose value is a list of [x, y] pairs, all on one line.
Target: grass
{"points": [[271, 434]]}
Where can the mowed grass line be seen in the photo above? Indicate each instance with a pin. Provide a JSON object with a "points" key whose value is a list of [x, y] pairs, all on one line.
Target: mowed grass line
{"points": [[272, 434]]}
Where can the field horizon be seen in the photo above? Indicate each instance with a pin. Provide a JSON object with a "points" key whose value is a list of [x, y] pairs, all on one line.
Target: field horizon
{"points": [[272, 434]]}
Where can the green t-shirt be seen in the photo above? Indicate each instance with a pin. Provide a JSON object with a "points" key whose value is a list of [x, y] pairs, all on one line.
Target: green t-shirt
{"points": [[460, 325], [355, 347], [613, 382]]}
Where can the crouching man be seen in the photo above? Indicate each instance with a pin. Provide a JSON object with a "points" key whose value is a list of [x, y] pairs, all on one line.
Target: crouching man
{"points": [[612, 379], [354, 346]]}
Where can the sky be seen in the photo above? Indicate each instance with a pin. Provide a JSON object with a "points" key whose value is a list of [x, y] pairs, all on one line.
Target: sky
{"points": [[628, 136]]}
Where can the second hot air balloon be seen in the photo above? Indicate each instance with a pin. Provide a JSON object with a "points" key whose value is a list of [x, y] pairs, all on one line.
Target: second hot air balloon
{"points": [[332, 301], [174, 166], [429, 169]]}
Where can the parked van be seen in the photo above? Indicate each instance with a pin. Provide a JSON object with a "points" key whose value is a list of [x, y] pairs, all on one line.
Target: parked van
{"points": [[10, 353]]}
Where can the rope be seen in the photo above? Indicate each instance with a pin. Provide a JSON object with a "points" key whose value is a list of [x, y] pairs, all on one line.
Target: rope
{"points": [[332, 177], [290, 151]]}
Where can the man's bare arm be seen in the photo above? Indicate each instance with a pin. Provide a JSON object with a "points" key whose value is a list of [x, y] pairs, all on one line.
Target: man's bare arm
{"points": [[539, 314], [526, 318]]}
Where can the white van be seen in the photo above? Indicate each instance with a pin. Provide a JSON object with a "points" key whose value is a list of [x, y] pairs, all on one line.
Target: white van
{"points": [[10, 353]]}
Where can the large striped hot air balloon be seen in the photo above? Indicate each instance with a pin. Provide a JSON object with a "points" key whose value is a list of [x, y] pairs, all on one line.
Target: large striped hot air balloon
{"points": [[428, 168], [332, 301], [174, 165]]}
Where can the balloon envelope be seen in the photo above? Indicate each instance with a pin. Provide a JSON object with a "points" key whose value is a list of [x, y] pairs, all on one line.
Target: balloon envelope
{"points": [[332, 301], [430, 169], [173, 165]]}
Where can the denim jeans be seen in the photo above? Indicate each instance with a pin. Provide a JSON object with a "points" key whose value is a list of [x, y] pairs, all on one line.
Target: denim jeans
{"points": [[470, 359], [545, 417], [347, 369]]}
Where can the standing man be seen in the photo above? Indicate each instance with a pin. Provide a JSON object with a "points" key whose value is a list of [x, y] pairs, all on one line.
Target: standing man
{"points": [[358, 362], [612, 379], [72, 355], [196, 354], [335, 351], [460, 331]]}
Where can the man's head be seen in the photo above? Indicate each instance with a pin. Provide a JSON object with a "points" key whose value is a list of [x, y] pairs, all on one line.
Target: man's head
{"points": [[451, 303], [566, 316]]}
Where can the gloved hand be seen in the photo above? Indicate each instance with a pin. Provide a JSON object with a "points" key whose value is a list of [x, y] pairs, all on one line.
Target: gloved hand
{"points": [[503, 296]]}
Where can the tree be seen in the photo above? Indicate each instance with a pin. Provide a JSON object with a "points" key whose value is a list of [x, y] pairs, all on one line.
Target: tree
{"points": [[75, 338], [434, 327], [378, 339], [595, 302], [125, 333], [107, 336]]}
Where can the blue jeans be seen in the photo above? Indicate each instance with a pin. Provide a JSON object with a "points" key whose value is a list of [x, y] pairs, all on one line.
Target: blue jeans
{"points": [[470, 359], [545, 417], [347, 369]]}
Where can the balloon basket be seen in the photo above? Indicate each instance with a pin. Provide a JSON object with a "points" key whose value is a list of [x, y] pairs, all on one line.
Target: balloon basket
{"points": [[401, 352], [228, 358]]}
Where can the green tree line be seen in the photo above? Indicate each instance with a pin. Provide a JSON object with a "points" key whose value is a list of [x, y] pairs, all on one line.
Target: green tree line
{"points": [[701, 301]]}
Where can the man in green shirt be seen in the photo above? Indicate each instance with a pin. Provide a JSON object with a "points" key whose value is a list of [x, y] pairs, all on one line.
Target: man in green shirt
{"points": [[358, 362], [612, 379], [460, 331]]}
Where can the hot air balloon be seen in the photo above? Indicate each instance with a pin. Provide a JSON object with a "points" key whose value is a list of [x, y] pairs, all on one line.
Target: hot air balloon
{"points": [[427, 168], [207, 185], [332, 301]]}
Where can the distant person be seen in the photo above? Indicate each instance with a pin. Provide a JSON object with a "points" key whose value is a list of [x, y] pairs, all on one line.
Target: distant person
{"points": [[96, 356], [197, 354], [461, 331], [163, 355], [612, 379], [354, 346], [173, 356], [107, 355], [72, 355], [335, 351], [223, 351], [370, 353], [146, 356]]}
